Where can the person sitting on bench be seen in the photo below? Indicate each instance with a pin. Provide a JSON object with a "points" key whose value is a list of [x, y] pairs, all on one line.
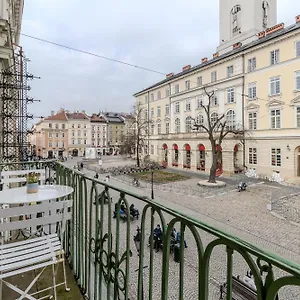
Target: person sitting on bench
{"points": [[158, 237]]}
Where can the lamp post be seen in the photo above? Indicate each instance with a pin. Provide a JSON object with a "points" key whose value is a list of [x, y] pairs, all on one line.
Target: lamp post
{"points": [[152, 179]]}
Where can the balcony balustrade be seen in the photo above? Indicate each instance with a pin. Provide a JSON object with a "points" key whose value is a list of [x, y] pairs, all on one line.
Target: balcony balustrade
{"points": [[102, 253]]}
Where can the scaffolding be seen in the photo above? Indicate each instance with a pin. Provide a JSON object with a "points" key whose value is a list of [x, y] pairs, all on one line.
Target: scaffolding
{"points": [[13, 111]]}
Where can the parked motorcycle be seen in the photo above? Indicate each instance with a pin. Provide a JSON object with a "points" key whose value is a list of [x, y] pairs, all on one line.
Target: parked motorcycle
{"points": [[242, 186]]}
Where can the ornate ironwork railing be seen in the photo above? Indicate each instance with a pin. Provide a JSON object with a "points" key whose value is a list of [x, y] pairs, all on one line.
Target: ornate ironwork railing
{"points": [[106, 264]]}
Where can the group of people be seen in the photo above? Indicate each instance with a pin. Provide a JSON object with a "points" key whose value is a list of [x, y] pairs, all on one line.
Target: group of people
{"points": [[134, 212], [158, 237]]}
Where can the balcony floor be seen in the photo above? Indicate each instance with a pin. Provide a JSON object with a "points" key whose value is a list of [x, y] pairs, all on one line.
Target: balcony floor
{"points": [[24, 280]]}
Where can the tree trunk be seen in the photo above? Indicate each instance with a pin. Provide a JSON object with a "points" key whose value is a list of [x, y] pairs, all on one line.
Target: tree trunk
{"points": [[137, 152], [213, 168]]}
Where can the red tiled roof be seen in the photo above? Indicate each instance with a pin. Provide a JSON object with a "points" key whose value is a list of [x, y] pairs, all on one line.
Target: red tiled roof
{"points": [[77, 116], [60, 116], [97, 118]]}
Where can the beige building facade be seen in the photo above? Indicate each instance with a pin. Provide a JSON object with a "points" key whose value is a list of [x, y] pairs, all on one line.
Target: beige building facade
{"points": [[257, 87]]}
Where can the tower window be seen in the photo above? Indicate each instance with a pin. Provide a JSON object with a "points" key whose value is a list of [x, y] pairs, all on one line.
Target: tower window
{"points": [[236, 19]]}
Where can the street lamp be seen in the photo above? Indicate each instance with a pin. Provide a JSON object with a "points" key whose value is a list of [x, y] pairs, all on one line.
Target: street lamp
{"points": [[152, 179]]}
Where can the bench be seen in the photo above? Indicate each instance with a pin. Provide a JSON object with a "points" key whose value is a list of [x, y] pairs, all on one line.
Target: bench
{"points": [[240, 290], [34, 254]]}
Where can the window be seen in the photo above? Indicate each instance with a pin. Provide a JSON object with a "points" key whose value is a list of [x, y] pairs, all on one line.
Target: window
{"points": [[50, 125], [56, 135], [167, 128], [297, 81], [213, 118], [152, 149], [84, 126], [79, 133], [73, 126], [73, 133], [152, 97], [158, 128], [158, 111], [252, 156], [252, 64], [79, 142], [200, 121], [199, 80], [213, 100], [176, 88], [252, 90], [78, 125], [146, 99], [146, 114], [199, 101], [187, 85], [56, 126], [274, 86], [252, 117], [152, 112], [84, 134], [167, 109], [73, 142], [213, 76], [188, 124], [188, 105], [50, 144], [158, 95], [297, 46], [63, 144], [152, 129], [56, 144], [93, 128], [230, 95], [274, 57], [167, 92], [230, 120], [230, 71], [177, 125], [298, 116], [85, 142], [177, 107], [63, 126], [276, 157], [50, 134], [275, 118]]}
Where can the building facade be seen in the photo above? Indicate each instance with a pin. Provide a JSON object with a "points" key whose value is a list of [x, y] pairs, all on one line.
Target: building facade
{"points": [[79, 132], [256, 83], [50, 136], [99, 125]]}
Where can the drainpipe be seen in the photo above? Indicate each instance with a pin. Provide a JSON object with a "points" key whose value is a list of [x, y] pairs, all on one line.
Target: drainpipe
{"points": [[243, 113]]}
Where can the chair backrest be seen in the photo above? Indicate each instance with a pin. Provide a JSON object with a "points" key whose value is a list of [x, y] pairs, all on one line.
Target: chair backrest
{"points": [[19, 176], [60, 212]]}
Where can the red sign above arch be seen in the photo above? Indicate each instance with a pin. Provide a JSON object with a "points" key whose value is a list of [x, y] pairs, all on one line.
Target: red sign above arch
{"points": [[175, 147], [201, 147], [187, 147], [165, 146]]}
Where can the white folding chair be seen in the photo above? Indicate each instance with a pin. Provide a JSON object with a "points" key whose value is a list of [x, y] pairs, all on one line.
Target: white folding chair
{"points": [[17, 177], [36, 253]]}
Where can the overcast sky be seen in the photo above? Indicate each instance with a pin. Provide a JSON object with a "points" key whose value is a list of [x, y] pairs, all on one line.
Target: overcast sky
{"points": [[161, 35]]}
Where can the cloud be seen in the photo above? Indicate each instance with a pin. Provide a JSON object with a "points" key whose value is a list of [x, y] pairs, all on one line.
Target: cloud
{"points": [[160, 35]]}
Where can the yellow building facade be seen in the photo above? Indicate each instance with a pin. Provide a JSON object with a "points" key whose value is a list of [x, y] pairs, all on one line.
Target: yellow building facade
{"points": [[257, 88]]}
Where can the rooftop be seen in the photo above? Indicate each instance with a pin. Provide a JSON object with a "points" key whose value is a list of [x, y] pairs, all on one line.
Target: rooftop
{"points": [[264, 39], [59, 116]]}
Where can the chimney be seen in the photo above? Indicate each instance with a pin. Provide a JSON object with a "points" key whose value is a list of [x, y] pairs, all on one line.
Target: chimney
{"points": [[186, 68], [204, 59], [169, 75], [261, 34], [215, 54], [237, 45], [298, 19], [52, 112], [274, 28]]}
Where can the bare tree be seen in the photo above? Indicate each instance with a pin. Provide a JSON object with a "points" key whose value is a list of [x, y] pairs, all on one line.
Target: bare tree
{"points": [[128, 145], [217, 129], [140, 128]]}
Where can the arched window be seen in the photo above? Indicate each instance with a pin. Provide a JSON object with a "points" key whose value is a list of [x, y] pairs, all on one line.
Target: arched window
{"points": [[230, 119], [213, 118], [177, 125], [188, 124], [200, 121]]}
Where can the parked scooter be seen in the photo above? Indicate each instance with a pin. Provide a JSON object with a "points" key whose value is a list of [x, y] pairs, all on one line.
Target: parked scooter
{"points": [[242, 186]]}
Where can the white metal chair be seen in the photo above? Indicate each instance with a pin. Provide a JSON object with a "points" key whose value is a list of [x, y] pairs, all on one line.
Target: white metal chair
{"points": [[35, 253], [19, 176]]}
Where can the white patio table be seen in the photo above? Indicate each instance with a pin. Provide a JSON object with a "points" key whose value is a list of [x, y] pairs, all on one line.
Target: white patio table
{"points": [[46, 192]]}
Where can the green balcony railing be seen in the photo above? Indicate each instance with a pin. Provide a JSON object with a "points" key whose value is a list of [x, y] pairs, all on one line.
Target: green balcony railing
{"points": [[106, 264]]}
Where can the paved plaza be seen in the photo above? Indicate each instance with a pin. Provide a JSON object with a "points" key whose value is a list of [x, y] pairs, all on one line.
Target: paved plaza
{"points": [[244, 215]]}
